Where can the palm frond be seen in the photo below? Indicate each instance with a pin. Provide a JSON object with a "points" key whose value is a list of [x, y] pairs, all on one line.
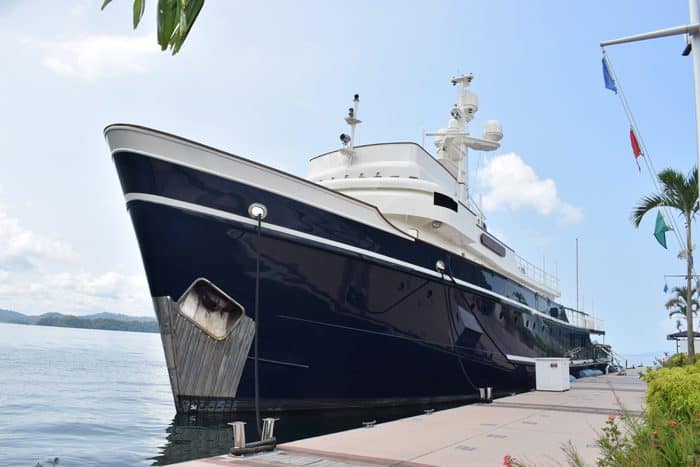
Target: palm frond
{"points": [[645, 205], [174, 21], [678, 305]]}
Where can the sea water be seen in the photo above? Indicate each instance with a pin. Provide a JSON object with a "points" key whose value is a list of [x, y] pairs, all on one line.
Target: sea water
{"points": [[93, 397]]}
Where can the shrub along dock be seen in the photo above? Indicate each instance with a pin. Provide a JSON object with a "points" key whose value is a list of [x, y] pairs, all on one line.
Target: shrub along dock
{"points": [[532, 428]]}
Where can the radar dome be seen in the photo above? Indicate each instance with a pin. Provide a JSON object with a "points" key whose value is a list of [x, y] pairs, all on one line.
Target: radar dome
{"points": [[493, 131]]}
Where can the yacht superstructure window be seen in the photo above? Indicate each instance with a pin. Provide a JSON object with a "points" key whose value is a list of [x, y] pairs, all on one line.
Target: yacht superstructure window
{"points": [[445, 201]]}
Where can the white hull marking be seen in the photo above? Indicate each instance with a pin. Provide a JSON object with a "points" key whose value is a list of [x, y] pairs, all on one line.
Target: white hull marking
{"points": [[156, 199]]}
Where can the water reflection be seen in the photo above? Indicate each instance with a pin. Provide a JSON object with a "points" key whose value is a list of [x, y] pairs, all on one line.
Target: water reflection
{"points": [[196, 436]]}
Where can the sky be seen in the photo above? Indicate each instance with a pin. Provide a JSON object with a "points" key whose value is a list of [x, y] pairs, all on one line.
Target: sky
{"points": [[272, 81]]}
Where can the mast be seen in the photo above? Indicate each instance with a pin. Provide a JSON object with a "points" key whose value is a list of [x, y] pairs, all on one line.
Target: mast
{"points": [[454, 142], [577, 274], [352, 120]]}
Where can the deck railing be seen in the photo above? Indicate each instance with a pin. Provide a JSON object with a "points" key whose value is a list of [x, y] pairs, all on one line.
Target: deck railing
{"points": [[536, 273], [583, 320]]}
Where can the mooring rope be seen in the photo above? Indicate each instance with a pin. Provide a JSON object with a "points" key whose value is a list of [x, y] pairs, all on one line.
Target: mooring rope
{"points": [[448, 302], [450, 273]]}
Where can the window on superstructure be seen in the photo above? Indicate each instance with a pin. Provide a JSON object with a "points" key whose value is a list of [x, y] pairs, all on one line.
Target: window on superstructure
{"points": [[445, 201]]}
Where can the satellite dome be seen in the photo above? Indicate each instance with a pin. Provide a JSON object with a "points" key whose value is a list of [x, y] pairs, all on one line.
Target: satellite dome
{"points": [[493, 131]]}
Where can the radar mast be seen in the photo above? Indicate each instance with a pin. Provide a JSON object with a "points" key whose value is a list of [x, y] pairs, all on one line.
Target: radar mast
{"points": [[453, 142]]}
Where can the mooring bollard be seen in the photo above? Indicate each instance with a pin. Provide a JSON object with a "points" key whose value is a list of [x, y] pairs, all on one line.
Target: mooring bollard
{"points": [[485, 394], [268, 429], [238, 434]]}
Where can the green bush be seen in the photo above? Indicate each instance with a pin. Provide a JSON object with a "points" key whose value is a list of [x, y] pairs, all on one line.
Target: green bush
{"points": [[674, 393], [668, 434], [679, 359]]}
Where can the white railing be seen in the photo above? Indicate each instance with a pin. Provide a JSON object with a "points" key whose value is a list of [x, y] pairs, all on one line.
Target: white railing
{"points": [[536, 273], [474, 207], [583, 320]]}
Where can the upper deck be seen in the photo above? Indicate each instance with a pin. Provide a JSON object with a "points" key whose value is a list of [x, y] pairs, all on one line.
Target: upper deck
{"points": [[420, 196]]}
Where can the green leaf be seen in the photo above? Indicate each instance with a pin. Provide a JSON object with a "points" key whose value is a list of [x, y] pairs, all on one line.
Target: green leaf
{"points": [[139, 7], [175, 19], [168, 14], [189, 11]]}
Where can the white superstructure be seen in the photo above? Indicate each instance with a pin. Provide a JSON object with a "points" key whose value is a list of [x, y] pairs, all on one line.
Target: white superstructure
{"points": [[428, 197]]}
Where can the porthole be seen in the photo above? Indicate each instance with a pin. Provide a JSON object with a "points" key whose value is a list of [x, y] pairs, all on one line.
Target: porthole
{"points": [[429, 294]]}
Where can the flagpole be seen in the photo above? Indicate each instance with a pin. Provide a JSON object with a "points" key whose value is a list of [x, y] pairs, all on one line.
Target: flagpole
{"points": [[577, 309], [694, 36], [693, 32]]}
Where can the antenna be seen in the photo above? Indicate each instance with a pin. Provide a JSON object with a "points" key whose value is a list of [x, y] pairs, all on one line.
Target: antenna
{"points": [[577, 303], [353, 121], [454, 141]]}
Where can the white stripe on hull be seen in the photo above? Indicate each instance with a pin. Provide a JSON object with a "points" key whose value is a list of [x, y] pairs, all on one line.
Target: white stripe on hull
{"points": [[162, 200], [186, 154], [520, 359]]}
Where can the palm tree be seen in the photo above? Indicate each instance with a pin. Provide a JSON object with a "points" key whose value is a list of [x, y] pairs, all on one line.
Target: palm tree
{"points": [[680, 193], [677, 305], [175, 19]]}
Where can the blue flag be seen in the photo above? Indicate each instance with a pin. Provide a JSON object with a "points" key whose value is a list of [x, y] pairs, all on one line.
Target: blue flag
{"points": [[665, 288], [609, 82]]}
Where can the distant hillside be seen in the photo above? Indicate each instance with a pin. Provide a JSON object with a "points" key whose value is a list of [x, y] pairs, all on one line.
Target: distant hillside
{"points": [[7, 316], [108, 321], [118, 317]]}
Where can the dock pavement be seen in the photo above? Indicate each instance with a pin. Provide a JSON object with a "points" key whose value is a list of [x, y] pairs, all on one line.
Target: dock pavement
{"points": [[532, 427]]}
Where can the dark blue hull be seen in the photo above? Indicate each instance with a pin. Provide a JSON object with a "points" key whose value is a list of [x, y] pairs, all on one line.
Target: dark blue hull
{"points": [[337, 328]]}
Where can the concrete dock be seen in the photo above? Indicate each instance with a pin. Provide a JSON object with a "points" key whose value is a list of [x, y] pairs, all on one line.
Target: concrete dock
{"points": [[532, 427]]}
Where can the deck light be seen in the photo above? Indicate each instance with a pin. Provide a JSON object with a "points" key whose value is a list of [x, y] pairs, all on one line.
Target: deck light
{"points": [[256, 210]]}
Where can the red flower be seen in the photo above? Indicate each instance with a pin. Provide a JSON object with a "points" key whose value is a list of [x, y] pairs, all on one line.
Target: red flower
{"points": [[611, 417], [507, 461]]}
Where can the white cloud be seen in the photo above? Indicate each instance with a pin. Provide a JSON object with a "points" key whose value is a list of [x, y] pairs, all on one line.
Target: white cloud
{"points": [[93, 56], [80, 8], [513, 184], [111, 291], [19, 244], [75, 293], [35, 277]]}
